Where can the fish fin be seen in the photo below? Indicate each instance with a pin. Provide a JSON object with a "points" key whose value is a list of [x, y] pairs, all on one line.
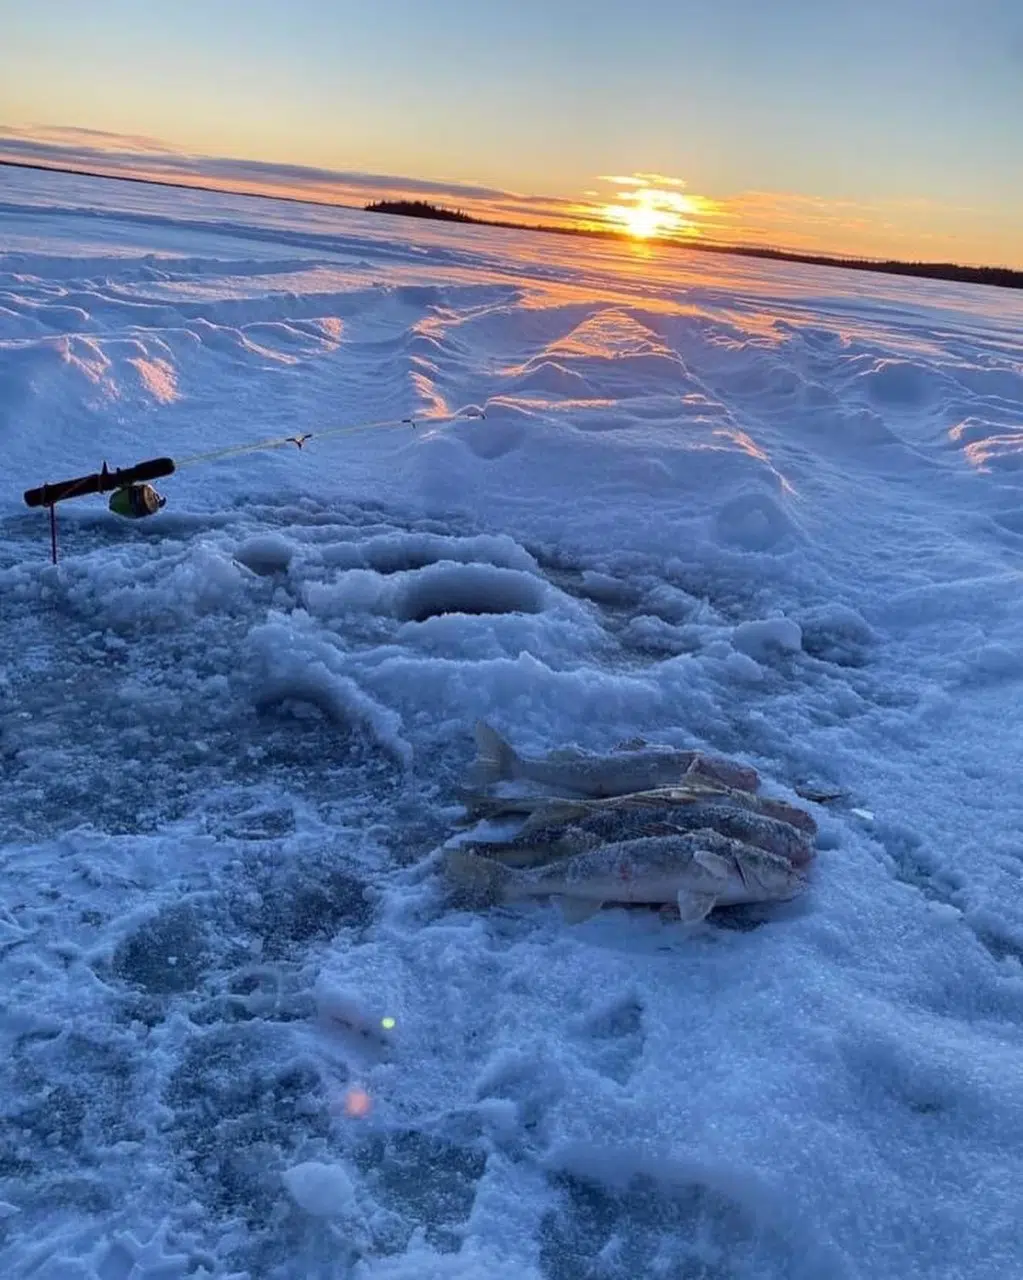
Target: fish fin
{"points": [[496, 759], [694, 907], [713, 862], [482, 881], [576, 910]]}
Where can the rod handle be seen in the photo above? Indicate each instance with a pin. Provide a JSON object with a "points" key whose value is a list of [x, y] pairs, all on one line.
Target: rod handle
{"points": [[99, 482]]}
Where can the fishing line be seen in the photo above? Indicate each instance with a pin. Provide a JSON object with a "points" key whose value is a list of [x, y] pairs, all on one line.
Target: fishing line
{"points": [[279, 442]]}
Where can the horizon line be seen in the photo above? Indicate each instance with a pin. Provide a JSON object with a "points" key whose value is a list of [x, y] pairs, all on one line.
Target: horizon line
{"points": [[840, 260]]}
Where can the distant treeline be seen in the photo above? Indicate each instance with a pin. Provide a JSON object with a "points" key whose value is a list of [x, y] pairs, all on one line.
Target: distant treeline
{"points": [[419, 209], [1005, 277]]}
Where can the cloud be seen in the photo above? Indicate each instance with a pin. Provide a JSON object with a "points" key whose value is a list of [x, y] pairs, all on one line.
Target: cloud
{"points": [[126, 153], [304, 175], [643, 180], [76, 135]]}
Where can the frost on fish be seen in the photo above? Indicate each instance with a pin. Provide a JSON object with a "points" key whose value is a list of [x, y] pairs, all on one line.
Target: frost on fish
{"points": [[544, 811], [538, 843], [696, 871], [758, 829], [533, 849], [619, 773]]}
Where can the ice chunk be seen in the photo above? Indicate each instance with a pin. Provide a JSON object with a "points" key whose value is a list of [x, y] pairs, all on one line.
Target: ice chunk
{"points": [[323, 1190]]}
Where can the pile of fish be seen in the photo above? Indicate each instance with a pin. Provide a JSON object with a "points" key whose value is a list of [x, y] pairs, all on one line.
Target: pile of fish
{"points": [[643, 824]]}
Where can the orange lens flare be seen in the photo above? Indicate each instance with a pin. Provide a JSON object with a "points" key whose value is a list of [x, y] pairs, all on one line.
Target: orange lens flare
{"points": [[357, 1104]]}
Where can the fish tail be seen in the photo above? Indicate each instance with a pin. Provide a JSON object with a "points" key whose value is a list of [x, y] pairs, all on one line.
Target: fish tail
{"points": [[495, 760], [480, 880]]}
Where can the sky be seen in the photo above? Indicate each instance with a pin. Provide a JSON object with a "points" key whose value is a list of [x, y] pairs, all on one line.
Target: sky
{"points": [[888, 127]]}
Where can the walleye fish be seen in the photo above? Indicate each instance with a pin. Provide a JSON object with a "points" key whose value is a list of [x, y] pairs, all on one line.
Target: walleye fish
{"points": [[596, 775], [617, 823], [544, 811], [757, 829], [697, 871], [552, 844], [687, 793], [541, 810]]}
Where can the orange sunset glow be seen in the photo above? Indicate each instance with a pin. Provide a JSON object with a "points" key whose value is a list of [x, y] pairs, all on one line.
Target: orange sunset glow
{"points": [[644, 207]]}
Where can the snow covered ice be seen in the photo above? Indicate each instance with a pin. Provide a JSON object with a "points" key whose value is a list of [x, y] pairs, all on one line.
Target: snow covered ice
{"points": [[768, 511]]}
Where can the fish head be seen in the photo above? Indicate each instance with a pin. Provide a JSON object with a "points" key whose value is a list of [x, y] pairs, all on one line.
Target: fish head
{"points": [[769, 875]]}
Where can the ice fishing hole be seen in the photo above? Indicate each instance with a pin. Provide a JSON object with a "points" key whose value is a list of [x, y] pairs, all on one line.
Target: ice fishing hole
{"points": [[467, 588]]}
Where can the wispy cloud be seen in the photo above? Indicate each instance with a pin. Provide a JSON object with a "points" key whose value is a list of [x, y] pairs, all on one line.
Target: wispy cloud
{"points": [[127, 153], [73, 135], [643, 180]]}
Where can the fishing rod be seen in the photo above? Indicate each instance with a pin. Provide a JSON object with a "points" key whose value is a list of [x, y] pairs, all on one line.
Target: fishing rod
{"points": [[133, 497]]}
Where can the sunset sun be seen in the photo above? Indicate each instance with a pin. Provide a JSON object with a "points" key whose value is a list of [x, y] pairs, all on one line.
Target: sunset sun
{"points": [[643, 221], [648, 211]]}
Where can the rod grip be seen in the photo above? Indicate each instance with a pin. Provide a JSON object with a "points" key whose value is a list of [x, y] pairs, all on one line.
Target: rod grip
{"points": [[99, 482]]}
